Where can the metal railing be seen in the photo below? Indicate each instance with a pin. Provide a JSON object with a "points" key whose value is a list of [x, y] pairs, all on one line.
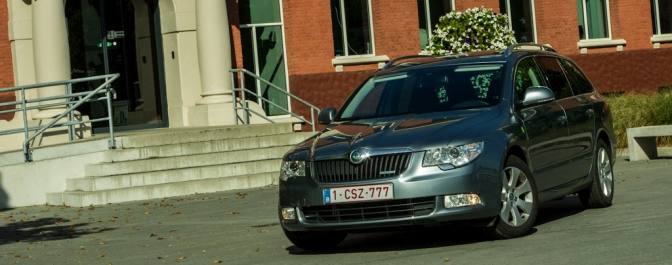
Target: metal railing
{"points": [[72, 101], [247, 110]]}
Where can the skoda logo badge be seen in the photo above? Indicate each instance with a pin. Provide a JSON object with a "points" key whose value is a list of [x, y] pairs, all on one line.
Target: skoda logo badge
{"points": [[357, 156]]}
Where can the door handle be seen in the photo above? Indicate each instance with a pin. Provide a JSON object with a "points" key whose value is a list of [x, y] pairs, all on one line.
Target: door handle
{"points": [[562, 119], [589, 112]]}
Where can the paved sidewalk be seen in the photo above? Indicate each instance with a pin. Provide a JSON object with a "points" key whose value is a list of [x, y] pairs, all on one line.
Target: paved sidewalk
{"points": [[241, 227]]}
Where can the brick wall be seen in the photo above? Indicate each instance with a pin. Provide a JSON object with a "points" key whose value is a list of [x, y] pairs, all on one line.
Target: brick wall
{"points": [[633, 23], [310, 44], [395, 25], [558, 25], [462, 5], [629, 71], [6, 67]]}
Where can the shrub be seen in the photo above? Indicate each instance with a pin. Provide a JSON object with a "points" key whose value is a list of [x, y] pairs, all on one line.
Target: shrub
{"points": [[637, 110], [477, 29]]}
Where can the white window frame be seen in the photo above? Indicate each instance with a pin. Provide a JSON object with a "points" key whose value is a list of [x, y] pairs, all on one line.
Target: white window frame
{"points": [[534, 17], [585, 22], [601, 42], [427, 15], [344, 27], [659, 37]]}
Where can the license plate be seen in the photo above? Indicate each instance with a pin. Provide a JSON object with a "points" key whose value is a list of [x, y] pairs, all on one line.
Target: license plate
{"points": [[358, 193]]}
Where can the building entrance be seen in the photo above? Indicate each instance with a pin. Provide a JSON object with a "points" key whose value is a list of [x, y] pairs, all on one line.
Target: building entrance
{"points": [[120, 36], [262, 39]]}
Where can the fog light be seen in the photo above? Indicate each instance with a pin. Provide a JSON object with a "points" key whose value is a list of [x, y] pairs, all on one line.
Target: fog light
{"points": [[288, 213], [459, 200]]}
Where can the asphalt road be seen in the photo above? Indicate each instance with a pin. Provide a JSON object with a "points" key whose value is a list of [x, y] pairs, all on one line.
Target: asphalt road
{"points": [[241, 227]]}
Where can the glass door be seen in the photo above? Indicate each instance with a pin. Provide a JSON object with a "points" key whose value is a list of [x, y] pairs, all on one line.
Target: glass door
{"points": [[264, 52], [119, 37]]}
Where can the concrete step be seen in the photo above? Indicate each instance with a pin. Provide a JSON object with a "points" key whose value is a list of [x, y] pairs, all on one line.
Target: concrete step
{"points": [[178, 162], [174, 175], [86, 198], [183, 149], [191, 135]]}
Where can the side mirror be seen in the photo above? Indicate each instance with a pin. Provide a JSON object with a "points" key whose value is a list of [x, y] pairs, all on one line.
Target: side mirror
{"points": [[537, 95], [326, 115]]}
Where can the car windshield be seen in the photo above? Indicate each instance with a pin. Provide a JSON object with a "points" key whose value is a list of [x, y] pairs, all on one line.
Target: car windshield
{"points": [[426, 90]]}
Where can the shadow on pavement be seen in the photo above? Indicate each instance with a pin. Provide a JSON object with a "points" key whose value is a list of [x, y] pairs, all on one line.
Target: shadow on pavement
{"points": [[554, 210], [440, 236], [43, 229]]}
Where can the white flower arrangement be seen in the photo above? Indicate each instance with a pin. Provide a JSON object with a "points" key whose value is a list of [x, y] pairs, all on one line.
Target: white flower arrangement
{"points": [[477, 29]]}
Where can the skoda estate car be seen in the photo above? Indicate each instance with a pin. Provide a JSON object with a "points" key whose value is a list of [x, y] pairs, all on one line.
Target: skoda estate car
{"points": [[479, 139]]}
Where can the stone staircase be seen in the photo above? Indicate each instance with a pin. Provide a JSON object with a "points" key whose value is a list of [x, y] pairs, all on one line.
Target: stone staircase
{"points": [[179, 162]]}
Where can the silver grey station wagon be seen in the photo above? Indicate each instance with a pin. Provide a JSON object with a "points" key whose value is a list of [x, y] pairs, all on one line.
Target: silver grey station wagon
{"points": [[478, 139]]}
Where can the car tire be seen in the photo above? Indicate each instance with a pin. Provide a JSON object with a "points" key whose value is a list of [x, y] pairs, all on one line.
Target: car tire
{"points": [[315, 241], [519, 201], [600, 194]]}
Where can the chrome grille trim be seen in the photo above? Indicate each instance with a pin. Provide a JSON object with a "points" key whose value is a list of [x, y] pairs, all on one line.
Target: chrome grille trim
{"points": [[341, 170], [369, 211]]}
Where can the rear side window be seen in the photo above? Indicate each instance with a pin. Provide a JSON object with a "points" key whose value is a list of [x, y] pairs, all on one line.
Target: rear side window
{"points": [[580, 82], [527, 75], [556, 77]]}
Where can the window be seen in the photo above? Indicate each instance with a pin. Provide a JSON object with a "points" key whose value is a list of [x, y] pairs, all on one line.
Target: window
{"points": [[527, 75], [661, 16], [580, 82], [557, 80], [521, 18], [352, 27], [593, 19], [429, 12]]}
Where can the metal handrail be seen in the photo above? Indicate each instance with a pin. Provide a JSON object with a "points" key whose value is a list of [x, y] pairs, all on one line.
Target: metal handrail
{"points": [[71, 102], [247, 110]]}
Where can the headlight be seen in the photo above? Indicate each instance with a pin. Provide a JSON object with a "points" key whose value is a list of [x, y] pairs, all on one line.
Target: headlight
{"points": [[290, 169], [455, 156]]}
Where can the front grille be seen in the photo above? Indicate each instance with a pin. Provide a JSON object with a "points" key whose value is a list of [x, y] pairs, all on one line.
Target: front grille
{"points": [[369, 211], [373, 168]]}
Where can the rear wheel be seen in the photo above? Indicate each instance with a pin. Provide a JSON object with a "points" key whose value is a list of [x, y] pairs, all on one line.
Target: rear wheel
{"points": [[519, 201], [315, 241], [600, 194]]}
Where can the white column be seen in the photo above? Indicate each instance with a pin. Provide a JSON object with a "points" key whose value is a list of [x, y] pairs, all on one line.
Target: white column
{"points": [[50, 51], [214, 51]]}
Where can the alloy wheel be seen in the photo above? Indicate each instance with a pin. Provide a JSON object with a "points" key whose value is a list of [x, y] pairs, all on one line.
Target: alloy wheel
{"points": [[517, 198], [604, 172]]}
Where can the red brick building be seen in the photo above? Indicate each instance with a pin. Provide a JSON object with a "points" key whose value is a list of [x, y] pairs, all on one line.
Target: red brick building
{"points": [[320, 50]]}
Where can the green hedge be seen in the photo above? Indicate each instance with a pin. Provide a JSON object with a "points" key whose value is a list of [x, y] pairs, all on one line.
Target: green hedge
{"points": [[636, 110]]}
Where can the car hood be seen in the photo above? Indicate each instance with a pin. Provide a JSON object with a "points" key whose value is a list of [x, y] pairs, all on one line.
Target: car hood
{"points": [[414, 132]]}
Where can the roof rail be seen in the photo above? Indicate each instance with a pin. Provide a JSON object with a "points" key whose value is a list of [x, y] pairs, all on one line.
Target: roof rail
{"points": [[510, 49], [449, 56], [391, 62]]}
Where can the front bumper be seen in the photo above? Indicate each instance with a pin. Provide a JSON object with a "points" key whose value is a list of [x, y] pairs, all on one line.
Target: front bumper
{"points": [[481, 177]]}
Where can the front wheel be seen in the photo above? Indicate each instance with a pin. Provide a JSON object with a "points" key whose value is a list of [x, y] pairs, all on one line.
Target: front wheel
{"points": [[600, 194], [519, 201], [315, 241]]}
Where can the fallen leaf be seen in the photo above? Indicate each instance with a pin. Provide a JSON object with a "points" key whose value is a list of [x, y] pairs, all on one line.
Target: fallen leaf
{"points": [[100, 256], [82, 248], [146, 212], [284, 247], [216, 261], [230, 213], [10, 252], [160, 238], [446, 259], [196, 193], [263, 231], [159, 257], [101, 243], [177, 213], [59, 223], [181, 258], [30, 248], [257, 250], [152, 235]]}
